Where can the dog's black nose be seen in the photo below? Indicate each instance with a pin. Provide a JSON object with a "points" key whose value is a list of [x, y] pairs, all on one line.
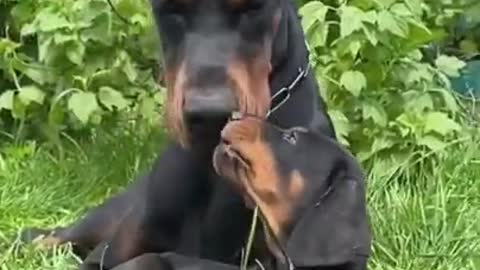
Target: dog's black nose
{"points": [[214, 102]]}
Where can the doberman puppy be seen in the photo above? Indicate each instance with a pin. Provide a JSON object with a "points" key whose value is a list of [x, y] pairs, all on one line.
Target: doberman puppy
{"points": [[310, 193], [220, 56]]}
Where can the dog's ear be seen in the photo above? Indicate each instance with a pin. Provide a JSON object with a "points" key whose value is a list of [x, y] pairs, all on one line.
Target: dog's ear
{"points": [[333, 231]]}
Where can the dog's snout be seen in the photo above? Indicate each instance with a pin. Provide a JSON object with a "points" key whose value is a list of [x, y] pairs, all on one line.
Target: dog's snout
{"points": [[225, 141], [207, 91], [212, 102], [246, 130]]}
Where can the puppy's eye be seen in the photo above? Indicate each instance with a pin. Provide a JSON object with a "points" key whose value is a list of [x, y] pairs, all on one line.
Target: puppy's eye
{"points": [[291, 137]]}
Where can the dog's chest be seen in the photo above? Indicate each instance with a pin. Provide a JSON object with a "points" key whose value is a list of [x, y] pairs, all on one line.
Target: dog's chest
{"points": [[219, 228]]}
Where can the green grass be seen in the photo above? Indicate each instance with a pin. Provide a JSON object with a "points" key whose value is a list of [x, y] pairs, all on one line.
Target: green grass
{"points": [[432, 224]]}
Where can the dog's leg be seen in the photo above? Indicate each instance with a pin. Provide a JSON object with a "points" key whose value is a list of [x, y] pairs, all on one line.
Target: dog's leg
{"points": [[96, 226], [174, 187]]}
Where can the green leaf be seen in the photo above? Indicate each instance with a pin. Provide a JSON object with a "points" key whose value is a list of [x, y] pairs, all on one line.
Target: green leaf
{"points": [[56, 116], [96, 119], [19, 109], [318, 35], [139, 19], [124, 63], [379, 144], [384, 4], [440, 123], [75, 52], [417, 102], [88, 11], [129, 70], [6, 100], [415, 6], [382, 143], [311, 13], [112, 98], [29, 94], [418, 73], [370, 16], [28, 29], [373, 110], [148, 108], [23, 11], [351, 20], [422, 103], [432, 142], [387, 22], [83, 104], [410, 121], [37, 74], [341, 125], [416, 55], [450, 65], [469, 47], [449, 99], [353, 81], [160, 97], [44, 48], [100, 31], [61, 38], [355, 47], [401, 9], [49, 21], [7, 46], [370, 35]]}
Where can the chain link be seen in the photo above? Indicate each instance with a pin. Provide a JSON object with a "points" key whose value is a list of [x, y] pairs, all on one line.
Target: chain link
{"points": [[287, 90]]}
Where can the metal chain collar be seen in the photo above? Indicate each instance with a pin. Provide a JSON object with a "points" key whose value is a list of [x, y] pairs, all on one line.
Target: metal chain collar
{"points": [[287, 90]]}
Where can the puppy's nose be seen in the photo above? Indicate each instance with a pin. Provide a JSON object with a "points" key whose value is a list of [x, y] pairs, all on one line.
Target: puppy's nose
{"points": [[214, 102], [244, 130]]}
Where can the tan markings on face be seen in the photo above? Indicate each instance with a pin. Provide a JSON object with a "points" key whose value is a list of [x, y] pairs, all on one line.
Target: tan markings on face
{"points": [[276, 20], [262, 181], [296, 185], [175, 81], [249, 80]]}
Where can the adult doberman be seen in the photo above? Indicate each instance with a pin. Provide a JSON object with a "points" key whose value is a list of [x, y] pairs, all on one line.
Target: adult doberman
{"points": [[310, 192], [220, 56]]}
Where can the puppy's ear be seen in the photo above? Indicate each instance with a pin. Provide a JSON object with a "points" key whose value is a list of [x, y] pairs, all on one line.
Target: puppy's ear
{"points": [[333, 231]]}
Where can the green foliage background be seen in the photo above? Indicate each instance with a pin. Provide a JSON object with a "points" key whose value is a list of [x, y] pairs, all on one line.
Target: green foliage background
{"points": [[68, 66]]}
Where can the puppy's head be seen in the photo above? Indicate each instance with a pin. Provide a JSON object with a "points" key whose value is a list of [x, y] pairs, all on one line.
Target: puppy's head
{"points": [[309, 190]]}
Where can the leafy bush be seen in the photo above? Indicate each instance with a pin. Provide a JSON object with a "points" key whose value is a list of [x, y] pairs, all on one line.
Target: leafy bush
{"points": [[68, 64], [387, 98]]}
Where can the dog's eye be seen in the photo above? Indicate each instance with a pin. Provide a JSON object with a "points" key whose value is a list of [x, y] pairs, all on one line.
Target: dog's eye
{"points": [[291, 137]]}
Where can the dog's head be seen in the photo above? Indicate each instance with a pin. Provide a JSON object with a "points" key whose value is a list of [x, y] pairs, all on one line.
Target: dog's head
{"points": [[309, 190], [217, 57]]}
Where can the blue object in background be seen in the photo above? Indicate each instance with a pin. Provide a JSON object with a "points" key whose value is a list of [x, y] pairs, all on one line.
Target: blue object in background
{"points": [[468, 83]]}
